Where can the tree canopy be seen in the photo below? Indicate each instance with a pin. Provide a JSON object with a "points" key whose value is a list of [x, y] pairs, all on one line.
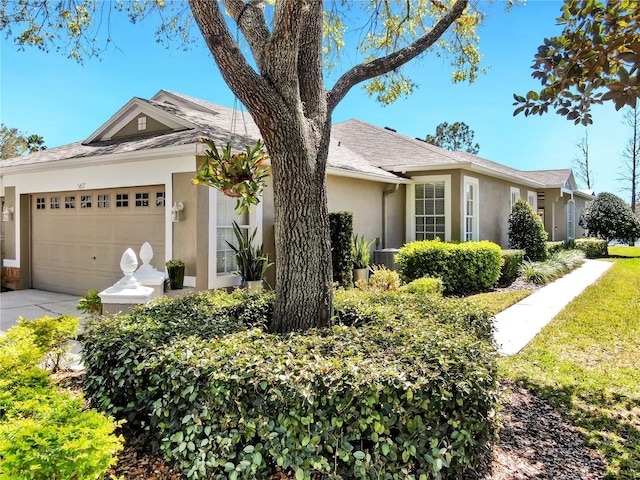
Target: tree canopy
{"points": [[457, 136], [14, 143], [609, 217], [595, 59]]}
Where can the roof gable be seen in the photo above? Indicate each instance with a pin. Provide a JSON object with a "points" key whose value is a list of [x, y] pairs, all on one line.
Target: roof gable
{"points": [[134, 109]]}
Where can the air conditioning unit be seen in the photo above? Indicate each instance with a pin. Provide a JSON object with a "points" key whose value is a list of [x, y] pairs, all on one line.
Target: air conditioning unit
{"points": [[385, 257]]}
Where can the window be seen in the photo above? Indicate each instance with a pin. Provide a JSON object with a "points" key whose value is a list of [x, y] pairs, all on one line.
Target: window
{"points": [[122, 200], [470, 209], [160, 199], [225, 216], [142, 123], [532, 199], [571, 219], [70, 202], [41, 203], [54, 203], [103, 201], [142, 199], [85, 201], [515, 195], [429, 208]]}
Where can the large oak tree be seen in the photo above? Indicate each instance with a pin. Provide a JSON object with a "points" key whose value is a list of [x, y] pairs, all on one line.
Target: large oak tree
{"points": [[280, 79]]}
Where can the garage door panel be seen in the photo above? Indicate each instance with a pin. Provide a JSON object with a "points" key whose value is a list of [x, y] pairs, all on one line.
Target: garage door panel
{"points": [[77, 249]]}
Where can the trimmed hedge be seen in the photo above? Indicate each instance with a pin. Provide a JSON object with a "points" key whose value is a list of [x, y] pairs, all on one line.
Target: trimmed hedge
{"points": [[424, 286], [592, 247], [511, 263], [341, 227], [464, 268], [554, 247], [46, 434], [403, 395]]}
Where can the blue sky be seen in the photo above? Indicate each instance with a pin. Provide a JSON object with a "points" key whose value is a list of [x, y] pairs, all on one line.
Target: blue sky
{"points": [[48, 94]]}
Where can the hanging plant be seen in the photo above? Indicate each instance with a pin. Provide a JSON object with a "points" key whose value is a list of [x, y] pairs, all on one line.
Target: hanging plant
{"points": [[238, 175]]}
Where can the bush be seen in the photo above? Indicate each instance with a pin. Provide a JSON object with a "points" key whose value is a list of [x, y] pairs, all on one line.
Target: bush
{"points": [[46, 434], [424, 286], [526, 232], [559, 264], [610, 218], [511, 263], [553, 247], [383, 280], [464, 268], [401, 395], [341, 228], [51, 336], [592, 247], [91, 303]]}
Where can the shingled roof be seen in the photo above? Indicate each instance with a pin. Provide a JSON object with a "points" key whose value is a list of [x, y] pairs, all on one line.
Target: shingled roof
{"points": [[356, 148]]}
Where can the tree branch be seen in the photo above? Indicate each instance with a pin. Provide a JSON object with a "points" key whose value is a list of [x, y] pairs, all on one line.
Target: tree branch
{"points": [[250, 20], [382, 65], [236, 71]]}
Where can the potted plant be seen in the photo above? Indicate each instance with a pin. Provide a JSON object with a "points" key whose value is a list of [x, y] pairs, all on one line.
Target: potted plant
{"points": [[238, 175], [251, 260], [175, 270], [361, 253]]}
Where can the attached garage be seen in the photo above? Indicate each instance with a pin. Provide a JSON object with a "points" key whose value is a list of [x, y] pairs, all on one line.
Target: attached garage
{"points": [[78, 237]]}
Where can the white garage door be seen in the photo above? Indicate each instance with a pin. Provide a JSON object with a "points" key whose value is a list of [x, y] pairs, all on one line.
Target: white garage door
{"points": [[78, 238]]}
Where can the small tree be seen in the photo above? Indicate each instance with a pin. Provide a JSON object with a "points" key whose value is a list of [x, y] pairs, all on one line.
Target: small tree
{"points": [[581, 162], [610, 218], [526, 232], [457, 136]]}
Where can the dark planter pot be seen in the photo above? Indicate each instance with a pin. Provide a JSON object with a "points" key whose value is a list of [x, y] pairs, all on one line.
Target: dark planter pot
{"points": [[176, 277]]}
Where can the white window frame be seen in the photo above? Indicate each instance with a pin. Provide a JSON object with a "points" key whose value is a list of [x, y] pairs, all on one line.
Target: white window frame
{"points": [[571, 219], [142, 123], [217, 280], [514, 195], [475, 227], [532, 199], [410, 234]]}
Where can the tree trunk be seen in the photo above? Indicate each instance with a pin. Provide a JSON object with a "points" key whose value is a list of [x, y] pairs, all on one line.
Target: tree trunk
{"points": [[303, 248]]}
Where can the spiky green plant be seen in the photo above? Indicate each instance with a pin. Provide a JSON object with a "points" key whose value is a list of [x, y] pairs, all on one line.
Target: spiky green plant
{"points": [[251, 259]]}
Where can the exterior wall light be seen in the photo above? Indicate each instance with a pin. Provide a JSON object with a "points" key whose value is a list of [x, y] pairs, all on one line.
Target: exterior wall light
{"points": [[175, 211], [7, 213]]}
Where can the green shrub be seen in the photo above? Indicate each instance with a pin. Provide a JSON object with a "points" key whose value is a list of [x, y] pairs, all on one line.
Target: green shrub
{"points": [[610, 218], [341, 227], [91, 303], [559, 264], [511, 263], [51, 336], [403, 394], [553, 247], [383, 279], [424, 286], [592, 247], [464, 268], [46, 434], [526, 232]]}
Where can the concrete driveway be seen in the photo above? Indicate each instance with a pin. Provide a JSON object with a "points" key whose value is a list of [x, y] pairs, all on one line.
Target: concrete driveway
{"points": [[34, 304]]}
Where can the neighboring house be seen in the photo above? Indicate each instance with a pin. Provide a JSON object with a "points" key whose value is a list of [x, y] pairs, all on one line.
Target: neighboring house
{"points": [[77, 207]]}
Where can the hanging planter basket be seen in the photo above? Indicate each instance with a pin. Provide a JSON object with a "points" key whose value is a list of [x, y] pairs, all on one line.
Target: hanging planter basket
{"points": [[237, 175]]}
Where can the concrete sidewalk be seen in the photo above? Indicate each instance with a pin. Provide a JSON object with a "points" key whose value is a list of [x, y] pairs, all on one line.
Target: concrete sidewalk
{"points": [[32, 304], [517, 325]]}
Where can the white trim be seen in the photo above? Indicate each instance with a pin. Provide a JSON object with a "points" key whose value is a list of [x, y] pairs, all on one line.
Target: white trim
{"points": [[513, 190], [475, 183], [410, 233], [571, 212], [338, 172], [534, 205]]}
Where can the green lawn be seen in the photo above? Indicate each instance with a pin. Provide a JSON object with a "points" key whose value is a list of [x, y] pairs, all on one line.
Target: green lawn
{"points": [[586, 362], [496, 302]]}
